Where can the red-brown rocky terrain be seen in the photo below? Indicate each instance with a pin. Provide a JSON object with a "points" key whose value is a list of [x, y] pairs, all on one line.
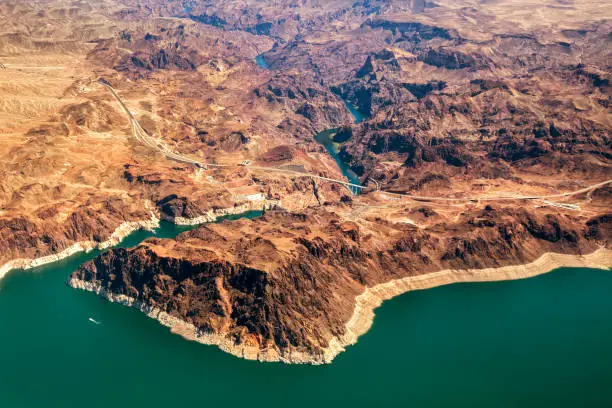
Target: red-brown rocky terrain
{"points": [[284, 285], [486, 143]]}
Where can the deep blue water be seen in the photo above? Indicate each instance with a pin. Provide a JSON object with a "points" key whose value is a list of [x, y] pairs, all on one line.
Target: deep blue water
{"points": [[359, 117], [325, 138], [261, 62], [540, 342]]}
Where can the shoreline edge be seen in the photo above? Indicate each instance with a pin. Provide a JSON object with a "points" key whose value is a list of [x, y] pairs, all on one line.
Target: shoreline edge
{"points": [[363, 315]]}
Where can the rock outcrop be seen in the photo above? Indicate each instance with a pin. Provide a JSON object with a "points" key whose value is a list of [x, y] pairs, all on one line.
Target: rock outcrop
{"points": [[284, 286]]}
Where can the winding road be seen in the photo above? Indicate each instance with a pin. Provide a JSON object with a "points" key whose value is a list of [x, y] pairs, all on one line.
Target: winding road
{"points": [[143, 137]]}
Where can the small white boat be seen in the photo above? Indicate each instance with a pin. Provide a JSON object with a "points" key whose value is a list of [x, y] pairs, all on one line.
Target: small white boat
{"points": [[94, 321]]}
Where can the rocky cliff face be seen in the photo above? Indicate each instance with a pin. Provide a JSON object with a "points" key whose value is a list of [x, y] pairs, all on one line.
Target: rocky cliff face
{"points": [[501, 101], [288, 282], [467, 101], [40, 235], [316, 107], [437, 100]]}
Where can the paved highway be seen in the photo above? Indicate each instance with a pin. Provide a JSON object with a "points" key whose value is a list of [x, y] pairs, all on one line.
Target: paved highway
{"points": [[143, 137]]}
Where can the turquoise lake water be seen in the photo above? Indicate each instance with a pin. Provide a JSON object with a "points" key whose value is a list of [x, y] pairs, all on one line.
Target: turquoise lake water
{"points": [[359, 117], [540, 342], [325, 138], [261, 62]]}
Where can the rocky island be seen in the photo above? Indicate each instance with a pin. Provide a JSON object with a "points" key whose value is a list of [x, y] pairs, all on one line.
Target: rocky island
{"points": [[484, 153]]}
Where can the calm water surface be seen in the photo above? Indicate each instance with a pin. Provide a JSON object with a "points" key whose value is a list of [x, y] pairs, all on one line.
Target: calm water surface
{"points": [[261, 62], [359, 117], [325, 138], [540, 342]]}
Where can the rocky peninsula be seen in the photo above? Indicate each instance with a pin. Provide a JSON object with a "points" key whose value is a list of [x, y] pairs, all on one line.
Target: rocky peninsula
{"points": [[484, 153], [299, 288]]}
